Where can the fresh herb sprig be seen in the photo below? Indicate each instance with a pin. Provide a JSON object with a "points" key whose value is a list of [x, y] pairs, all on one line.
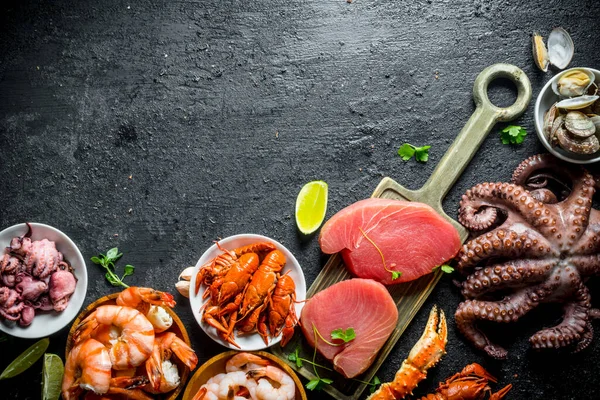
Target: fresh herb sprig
{"points": [[513, 134], [343, 334], [407, 151], [445, 268], [108, 263], [319, 383]]}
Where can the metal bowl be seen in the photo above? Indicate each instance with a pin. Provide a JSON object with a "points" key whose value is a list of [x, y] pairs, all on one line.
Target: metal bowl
{"points": [[46, 323], [544, 101]]}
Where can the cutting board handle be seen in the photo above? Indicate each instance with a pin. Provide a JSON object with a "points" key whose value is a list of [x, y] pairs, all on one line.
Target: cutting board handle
{"points": [[469, 139]]}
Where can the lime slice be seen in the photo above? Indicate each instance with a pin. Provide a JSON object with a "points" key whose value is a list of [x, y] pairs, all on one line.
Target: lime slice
{"points": [[52, 375], [311, 206], [26, 359]]}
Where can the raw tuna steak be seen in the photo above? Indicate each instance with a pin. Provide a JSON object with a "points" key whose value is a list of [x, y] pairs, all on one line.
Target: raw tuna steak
{"points": [[412, 237], [362, 304]]}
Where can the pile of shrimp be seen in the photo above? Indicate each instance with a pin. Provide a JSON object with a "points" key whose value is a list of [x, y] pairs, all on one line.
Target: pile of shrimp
{"points": [[125, 350], [248, 376]]}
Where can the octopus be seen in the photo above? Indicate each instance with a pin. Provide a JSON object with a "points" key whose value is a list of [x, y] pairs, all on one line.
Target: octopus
{"points": [[538, 242], [33, 276]]}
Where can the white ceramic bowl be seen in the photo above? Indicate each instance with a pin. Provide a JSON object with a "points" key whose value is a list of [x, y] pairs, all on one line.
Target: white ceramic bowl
{"points": [[544, 101], [46, 323], [251, 342]]}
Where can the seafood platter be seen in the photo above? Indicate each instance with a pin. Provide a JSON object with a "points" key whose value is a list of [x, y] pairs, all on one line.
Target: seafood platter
{"points": [[530, 240]]}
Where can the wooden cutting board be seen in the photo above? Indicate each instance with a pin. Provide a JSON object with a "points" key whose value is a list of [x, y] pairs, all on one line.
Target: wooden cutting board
{"points": [[410, 296]]}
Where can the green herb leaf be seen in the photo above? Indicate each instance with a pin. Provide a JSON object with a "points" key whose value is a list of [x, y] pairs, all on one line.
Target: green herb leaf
{"points": [[112, 253], [96, 260], [374, 383], [422, 153], [513, 134], [406, 151], [345, 335], [295, 357], [26, 359], [396, 275], [447, 269], [129, 269], [318, 383]]}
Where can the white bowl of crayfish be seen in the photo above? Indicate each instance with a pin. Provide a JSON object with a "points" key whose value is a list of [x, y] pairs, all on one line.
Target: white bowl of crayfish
{"points": [[199, 302], [45, 323]]}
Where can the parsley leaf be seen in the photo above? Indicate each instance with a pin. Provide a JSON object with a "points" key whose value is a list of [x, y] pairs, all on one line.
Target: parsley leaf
{"points": [[345, 335], [407, 151], [318, 383], [374, 383], [513, 134], [396, 275], [108, 263], [295, 357], [445, 268]]}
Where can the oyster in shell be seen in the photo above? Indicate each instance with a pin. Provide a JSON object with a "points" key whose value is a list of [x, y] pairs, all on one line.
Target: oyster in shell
{"points": [[573, 82], [559, 51]]}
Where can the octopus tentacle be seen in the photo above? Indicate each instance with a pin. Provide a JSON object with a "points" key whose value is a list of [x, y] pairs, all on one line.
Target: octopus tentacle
{"points": [[586, 265], [503, 243], [510, 274], [573, 327], [589, 241], [508, 310], [513, 199]]}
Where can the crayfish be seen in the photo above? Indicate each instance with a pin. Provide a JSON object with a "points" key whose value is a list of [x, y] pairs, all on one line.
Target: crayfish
{"points": [[469, 384], [247, 293]]}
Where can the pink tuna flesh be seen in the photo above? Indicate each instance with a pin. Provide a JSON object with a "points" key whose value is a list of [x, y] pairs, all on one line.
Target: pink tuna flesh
{"points": [[361, 304], [412, 237]]}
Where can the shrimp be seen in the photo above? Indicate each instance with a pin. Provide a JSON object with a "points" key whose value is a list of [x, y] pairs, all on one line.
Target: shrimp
{"points": [[88, 367], [136, 340], [163, 374], [245, 362], [265, 389], [149, 302], [209, 390], [233, 382]]}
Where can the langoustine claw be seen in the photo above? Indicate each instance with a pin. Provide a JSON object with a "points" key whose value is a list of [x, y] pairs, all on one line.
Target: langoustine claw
{"points": [[425, 354]]}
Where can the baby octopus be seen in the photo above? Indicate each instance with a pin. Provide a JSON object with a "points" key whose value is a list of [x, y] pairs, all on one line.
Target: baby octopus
{"points": [[538, 243]]}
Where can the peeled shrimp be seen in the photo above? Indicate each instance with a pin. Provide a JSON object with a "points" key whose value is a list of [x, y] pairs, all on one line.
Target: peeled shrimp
{"points": [[265, 389], [136, 340], [234, 381], [209, 390], [149, 302], [88, 367], [163, 374], [245, 362]]}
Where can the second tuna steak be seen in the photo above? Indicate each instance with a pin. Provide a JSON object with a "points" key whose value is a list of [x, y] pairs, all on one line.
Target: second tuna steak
{"points": [[361, 304]]}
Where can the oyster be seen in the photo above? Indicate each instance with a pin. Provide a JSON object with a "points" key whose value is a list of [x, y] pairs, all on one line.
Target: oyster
{"points": [[559, 51], [577, 103], [573, 82]]}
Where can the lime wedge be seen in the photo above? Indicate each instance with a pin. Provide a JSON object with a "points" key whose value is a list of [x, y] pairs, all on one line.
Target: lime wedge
{"points": [[311, 206], [26, 359], [52, 375]]}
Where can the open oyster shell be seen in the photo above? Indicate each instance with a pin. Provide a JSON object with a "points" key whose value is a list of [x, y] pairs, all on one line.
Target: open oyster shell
{"points": [[559, 51]]}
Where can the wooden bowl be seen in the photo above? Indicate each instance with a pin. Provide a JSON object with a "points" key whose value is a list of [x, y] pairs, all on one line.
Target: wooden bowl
{"points": [[177, 328], [216, 365]]}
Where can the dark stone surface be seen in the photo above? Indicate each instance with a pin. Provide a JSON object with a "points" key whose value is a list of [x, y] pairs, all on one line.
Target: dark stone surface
{"points": [[160, 126]]}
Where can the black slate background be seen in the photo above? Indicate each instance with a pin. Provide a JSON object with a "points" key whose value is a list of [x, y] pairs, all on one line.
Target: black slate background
{"points": [[158, 127]]}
